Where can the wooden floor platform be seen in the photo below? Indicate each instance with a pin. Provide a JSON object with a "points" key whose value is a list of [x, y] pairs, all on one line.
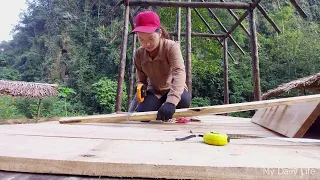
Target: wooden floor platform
{"points": [[149, 150]]}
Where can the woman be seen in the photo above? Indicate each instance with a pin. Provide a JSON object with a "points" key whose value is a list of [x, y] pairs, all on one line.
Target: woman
{"points": [[160, 67]]}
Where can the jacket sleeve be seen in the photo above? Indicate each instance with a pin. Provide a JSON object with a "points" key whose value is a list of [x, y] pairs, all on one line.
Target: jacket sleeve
{"points": [[178, 74], [141, 77]]}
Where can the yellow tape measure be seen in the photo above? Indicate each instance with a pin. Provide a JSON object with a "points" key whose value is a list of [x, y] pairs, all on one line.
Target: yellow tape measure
{"points": [[212, 138], [215, 138]]}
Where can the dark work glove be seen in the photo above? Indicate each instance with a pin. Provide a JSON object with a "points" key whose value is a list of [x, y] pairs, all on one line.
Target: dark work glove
{"points": [[166, 111]]}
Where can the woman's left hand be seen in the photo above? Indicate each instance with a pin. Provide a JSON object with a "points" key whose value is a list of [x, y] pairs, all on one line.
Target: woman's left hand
{"points": [[166, 111]]}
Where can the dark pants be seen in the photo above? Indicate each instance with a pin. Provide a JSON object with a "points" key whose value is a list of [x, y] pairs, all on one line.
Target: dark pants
{"points": [[152, 103]]}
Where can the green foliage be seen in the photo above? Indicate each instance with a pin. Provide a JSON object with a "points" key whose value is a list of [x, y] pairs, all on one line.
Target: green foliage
{"points": [[64, 93], [106, 91], [200, 102], [8, 108]]}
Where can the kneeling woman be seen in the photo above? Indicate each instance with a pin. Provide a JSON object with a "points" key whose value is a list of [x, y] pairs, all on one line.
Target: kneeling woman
{"points": [[160, 67]]}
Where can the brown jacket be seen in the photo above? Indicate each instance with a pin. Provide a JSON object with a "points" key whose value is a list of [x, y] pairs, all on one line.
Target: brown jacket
{"points": [[166, 72]]}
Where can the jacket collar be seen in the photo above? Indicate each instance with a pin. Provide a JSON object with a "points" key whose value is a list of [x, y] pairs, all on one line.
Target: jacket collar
{"points": [[160, 55]]}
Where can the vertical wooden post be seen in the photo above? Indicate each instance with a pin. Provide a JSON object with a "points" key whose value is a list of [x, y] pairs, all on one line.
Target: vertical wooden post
{"points": [[188, 49], [122, 57], [178, 23], [225, 71], [131, 78], [254, 55], [38, 110]]}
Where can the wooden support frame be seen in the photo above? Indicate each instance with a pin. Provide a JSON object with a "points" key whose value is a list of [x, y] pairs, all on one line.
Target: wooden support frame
{"points": [[237, 19], [265, 14], [229, 5], [241, 19], [178, 4], [224, 29]]}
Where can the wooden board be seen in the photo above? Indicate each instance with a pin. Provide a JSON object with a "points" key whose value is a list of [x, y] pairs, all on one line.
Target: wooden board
{"points": [[189, 112], [149, 150], [291, 121]]}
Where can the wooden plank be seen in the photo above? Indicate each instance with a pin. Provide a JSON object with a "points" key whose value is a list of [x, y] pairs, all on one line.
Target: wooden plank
{"points": [[291, 121], [189, 112], [6, 175], [131, 149]]}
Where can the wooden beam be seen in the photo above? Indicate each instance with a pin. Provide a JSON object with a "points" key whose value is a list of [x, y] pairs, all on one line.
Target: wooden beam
{"points": [[229, 5], [197, 34], [253, 5], [189, 112], [255, 57], [111, 11], [236, 18], [298, 8], [178, 23], [131, 20], [132, 68], [265, 14], [210, 29], [188, 50], [122, 59], [225, 72], [224, 29]]}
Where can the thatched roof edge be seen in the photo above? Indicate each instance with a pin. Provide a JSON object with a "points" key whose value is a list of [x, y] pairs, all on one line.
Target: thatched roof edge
{"points": [[27, 89], [311, 83]]}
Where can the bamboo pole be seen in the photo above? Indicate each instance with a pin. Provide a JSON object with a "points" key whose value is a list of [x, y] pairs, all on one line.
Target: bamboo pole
{"points": [[255, 57], [229, 5], [188, 50], [197, 34], [211, 30], [265, 14], [178, 23], [298, 8], [38, 110], [122, 57], [132, 68], [189, 112], [236, 18], [225, 71]]}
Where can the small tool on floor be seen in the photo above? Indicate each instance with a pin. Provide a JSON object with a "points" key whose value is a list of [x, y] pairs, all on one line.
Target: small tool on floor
{"points": [[217, 138]]}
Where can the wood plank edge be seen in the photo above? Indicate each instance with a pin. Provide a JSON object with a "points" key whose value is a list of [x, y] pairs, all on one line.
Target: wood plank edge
{"points": [[67, 167], [188, 112], [308, 123]]}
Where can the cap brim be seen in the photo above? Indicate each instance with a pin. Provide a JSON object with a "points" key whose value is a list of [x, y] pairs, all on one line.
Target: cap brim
{"points": [[145, 29]]}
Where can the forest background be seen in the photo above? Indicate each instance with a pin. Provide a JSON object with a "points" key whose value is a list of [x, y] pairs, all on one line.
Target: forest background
{"points": [[64, 42]]}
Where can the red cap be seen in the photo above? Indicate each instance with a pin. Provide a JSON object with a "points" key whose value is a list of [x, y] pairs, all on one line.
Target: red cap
{"points": [[147, 21]]}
